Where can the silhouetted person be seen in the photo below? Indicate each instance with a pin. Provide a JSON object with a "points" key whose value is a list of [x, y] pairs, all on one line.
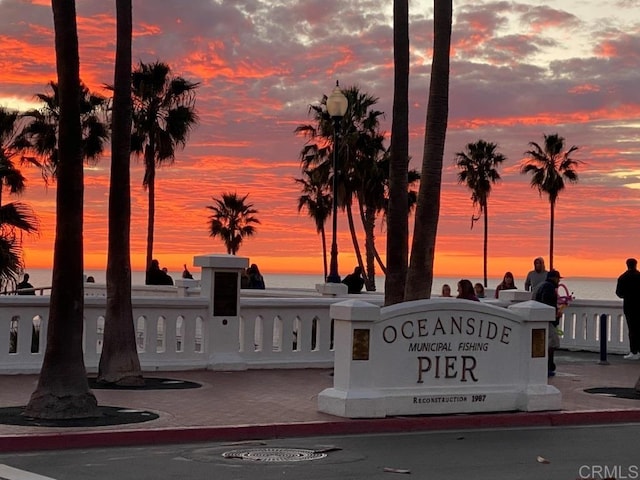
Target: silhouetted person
{"points": [[628, 289], [186, 273], [466, 290], [156, 276], [354, 281], [245, 280], [547, 293], [25, 284], [90, 279], [255, 277]]}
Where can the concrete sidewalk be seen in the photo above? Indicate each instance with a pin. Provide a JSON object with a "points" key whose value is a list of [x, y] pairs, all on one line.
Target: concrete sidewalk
{"points": [[254, 404]]}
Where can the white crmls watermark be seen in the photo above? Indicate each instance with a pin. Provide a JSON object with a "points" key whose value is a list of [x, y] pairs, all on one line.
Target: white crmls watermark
{"points": [[602, 472]]}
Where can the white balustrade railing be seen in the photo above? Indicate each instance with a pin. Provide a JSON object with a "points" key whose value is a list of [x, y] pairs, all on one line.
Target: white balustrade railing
{"points": [[177, 333], [286, 332], [581, 326]]}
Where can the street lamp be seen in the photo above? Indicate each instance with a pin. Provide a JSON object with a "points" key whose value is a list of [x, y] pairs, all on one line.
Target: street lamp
{"points": [[337, 105]]}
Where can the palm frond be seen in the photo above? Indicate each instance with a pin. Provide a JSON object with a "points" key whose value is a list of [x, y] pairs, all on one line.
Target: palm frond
{"points": [[19, 215]]}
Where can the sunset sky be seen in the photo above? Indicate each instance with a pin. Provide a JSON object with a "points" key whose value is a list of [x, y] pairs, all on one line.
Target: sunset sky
{"points": [[519, 70]]}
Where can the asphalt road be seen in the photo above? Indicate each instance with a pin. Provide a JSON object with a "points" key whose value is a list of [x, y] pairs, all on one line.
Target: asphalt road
{"points": [[586, 452]]}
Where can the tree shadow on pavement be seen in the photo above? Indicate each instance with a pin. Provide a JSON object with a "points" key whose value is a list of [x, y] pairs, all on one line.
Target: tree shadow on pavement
{"points": [[617, 392], [107, 416], [150, 383]]}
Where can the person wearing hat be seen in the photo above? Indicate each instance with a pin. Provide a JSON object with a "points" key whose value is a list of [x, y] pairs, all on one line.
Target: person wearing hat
{"points": [[628, 289], [547, 293]]}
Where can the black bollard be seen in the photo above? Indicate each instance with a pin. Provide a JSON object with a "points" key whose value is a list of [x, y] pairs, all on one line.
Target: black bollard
{"points": [[603, 340]]}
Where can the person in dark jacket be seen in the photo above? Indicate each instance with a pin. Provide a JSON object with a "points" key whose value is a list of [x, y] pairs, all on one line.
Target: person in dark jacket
{"points": [[547, 293], [24, 284], [156, 276], [354, 281], [256, 280], [628, 289]]}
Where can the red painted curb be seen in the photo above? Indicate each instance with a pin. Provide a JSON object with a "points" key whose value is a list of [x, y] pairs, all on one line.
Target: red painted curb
{"points": [[59, 441]]}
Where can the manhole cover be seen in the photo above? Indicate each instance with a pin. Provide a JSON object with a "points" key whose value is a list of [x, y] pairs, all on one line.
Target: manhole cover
{"points": [[274, 454]]}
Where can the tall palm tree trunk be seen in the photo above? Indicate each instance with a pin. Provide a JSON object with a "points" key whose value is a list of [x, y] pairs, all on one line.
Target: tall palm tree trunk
{"points": [[398, 210], [367, 215], [382, 266], [552, 217], [369, 250], [420, 274], [486, 242], [323, 236], [354, 239], [151, 213], [63, 390], [119, 362]]}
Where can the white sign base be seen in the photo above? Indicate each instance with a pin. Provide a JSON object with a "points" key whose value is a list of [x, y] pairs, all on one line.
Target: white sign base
{"points": [[439, 356]]}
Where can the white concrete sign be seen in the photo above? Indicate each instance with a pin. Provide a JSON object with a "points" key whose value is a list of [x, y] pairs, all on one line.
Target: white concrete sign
{"points": [[439, 356]]}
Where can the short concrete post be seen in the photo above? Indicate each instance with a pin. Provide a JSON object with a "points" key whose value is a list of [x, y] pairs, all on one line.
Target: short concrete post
{"points": [[603, 339], [184, 285], [353, 370], [514, 296], [536, 317], [332, 289], [220, 283]]}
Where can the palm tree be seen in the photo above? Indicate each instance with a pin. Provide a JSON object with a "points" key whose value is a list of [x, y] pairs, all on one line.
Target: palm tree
{"points": [[40, 135], [478, 171], [163, 116], [360, 147], [232, 220], [363, 146], [119, 362], [550, 165], [398, 213], [420, 274], [63, 390], [15, 217], [318, 202]]}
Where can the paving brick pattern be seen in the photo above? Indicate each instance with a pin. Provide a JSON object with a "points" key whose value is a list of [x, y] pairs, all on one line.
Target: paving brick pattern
{"points": [[289, 397]]}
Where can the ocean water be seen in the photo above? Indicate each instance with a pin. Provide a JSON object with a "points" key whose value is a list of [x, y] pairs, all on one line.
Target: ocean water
{"points": [[580, 287]]}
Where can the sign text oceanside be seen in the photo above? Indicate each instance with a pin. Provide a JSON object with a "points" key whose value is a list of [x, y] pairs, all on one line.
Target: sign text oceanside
{"points": [[439, 356], [434, 336]]}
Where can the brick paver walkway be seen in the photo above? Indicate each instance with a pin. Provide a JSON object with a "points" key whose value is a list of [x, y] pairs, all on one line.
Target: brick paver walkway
{"points": [[267, 403]]}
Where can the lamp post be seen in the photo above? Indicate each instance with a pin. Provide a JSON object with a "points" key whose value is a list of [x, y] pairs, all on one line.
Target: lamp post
{"points": [[337, 105]]}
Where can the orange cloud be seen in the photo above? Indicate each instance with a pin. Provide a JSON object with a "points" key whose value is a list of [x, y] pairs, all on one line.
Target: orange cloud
{"points": [[259, 73]]}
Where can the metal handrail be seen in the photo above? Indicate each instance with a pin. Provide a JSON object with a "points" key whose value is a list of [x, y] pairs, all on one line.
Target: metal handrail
{"points": [[26, 291]]}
